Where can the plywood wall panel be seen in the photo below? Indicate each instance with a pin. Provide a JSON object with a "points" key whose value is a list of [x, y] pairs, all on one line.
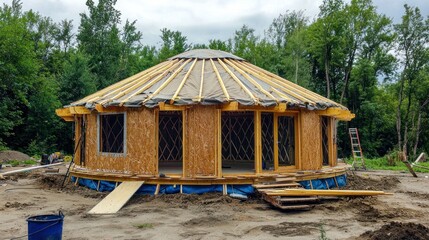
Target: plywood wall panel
{"points": [[311, 141], [140, 157], [141, 141], [201, 143]]}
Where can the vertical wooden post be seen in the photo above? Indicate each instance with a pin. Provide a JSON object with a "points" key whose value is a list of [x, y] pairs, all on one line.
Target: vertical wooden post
{"points": [[219, 143], [258, 142], [276, 141], [332, 160], [184, 142]]}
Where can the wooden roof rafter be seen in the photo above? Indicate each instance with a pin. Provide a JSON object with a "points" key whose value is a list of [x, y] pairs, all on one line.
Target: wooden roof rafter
{"points": [[144, 83], [200, 92], [219, 78], [164, 84], [250, 79], [120, 84], [183, 82], [238, 81]]}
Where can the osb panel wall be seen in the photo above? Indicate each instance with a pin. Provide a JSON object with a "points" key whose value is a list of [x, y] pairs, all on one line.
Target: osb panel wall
{"points": [[311, 141], [201, 141], [141, 141], [141, 151]]}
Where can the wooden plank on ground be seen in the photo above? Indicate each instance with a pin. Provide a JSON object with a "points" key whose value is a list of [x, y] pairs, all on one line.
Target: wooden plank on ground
{"points": [[298, 199], [305, 192], [259, 186], [113, 202]]}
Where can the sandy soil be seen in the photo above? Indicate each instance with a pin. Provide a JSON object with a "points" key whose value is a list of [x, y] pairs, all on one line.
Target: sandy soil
{"points": [[212, 216]]}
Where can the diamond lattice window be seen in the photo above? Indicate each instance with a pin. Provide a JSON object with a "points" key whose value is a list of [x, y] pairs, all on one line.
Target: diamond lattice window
{"points": [[112, 133], [170, 136], [267, 120], [238, 136], [286, 140]]}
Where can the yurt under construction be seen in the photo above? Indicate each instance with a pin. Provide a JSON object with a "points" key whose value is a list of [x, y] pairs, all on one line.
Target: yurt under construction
{"points": [[204, 119]]}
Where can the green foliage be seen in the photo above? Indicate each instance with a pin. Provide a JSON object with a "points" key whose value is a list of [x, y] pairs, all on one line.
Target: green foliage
{"points": [[173, 43], [15, 163]]}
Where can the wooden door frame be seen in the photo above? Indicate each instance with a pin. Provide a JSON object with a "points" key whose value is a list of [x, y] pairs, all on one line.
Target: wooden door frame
{"points": [[295, 116]]}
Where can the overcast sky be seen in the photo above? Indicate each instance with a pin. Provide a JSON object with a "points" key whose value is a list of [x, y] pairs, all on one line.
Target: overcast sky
{"points": [[201, 20]]}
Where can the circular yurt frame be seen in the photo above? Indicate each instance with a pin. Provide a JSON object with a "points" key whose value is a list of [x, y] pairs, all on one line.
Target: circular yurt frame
{"points": [[205, 117]]}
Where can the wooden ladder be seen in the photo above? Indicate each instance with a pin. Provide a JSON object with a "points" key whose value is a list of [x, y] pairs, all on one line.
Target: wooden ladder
{"points": [[358, 159], [282, 202]]}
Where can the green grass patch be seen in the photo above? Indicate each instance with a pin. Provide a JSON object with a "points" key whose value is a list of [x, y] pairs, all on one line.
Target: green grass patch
{"points": [[382, 164], [144, 225], [15, 163]]}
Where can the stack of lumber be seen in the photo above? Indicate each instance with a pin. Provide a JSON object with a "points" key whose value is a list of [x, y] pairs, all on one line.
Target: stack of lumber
{"points": [[285, 203], [286, 194]]}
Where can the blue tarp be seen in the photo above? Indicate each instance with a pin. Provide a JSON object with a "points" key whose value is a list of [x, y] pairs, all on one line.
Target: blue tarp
{"points": [[325, 183], [168, 189], [192, 189]]}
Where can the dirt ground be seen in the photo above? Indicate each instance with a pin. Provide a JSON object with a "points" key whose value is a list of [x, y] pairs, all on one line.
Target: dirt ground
{"points": [[212, 216]]}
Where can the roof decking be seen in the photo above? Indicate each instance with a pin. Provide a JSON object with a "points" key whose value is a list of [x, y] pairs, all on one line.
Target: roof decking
{"points": [[206, 77]]}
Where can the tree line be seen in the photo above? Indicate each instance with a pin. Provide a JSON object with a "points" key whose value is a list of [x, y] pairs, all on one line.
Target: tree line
{"points": [[349, 53]]}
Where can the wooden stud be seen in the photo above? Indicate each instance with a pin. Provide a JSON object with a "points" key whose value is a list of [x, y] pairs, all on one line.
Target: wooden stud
{"points": [[116, 184], [336, 183], [258, 141], [219, 143], [184, 142], [183, 81], [76, 182], [200, 93], [311, 184], [219, 78], [276, 141], [181, 189], [238, 81], [332, 111], [98, 185]]}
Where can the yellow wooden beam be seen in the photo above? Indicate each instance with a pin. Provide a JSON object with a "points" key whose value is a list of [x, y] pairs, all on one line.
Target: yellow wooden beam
{"points": [[169, 107], [63, 112], [231, 106], [109, 109], [345, 116], [79, 110], [68, 119], [330, 112]]}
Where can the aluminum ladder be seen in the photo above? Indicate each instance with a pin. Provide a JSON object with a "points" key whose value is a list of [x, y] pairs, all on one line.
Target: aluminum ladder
{"points": [[358, 159]]}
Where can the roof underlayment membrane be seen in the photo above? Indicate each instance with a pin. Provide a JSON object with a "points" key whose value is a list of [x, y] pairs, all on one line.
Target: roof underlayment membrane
{"points": [[206, 77]]}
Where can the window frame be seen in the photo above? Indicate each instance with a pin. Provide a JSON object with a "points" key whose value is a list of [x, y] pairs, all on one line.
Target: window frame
{"points": [[124, 152]]}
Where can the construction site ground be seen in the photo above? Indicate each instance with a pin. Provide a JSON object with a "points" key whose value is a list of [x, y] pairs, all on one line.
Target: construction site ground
{"points": [[404, 215]]}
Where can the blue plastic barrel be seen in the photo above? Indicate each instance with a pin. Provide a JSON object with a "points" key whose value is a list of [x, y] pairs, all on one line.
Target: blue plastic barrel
{"points": [[49, 227]]}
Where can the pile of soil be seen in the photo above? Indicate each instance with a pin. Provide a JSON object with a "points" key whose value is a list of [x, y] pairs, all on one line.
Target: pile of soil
{"points": [[398, 231], [355, 182], [9, 155]]}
